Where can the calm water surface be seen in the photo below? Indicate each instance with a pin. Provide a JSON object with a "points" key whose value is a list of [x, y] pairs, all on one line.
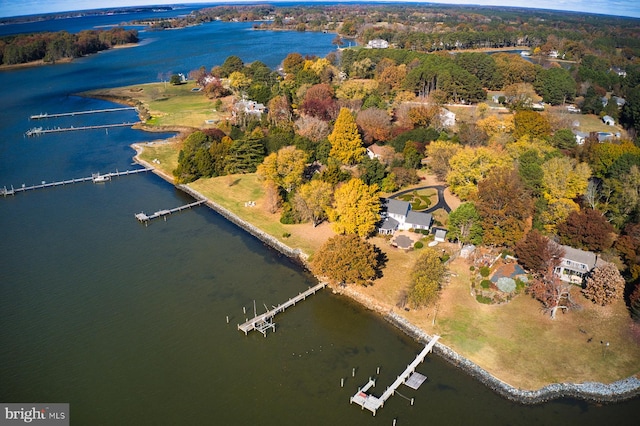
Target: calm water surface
{"points": [[127, 323]]}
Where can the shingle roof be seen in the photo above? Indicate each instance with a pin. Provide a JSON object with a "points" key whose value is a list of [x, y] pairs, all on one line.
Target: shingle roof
{"points": [[397, 206], [418, 218]]}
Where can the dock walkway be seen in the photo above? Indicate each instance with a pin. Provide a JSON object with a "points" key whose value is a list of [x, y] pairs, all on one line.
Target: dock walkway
{"points": [[373, 403], [263, 322], [37, 131], [142, 217], [69, 114], [96, 178]]}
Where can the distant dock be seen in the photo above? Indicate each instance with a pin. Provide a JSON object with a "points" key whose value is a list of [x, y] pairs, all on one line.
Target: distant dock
{"points": [[37, 131], [144, 218], [95, 178], [263, 322], [46, 115]]}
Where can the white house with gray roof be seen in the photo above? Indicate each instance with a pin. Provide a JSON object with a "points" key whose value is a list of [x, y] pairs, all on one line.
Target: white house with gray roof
{"points": [[399, 216], [576, 264]]}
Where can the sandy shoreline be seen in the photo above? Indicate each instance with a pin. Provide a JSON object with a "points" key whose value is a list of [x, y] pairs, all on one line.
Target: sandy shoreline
{"points": [[618, 391]]}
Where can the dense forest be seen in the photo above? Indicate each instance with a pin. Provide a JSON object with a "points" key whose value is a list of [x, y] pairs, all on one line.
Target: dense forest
{"points": [[51, 47]]}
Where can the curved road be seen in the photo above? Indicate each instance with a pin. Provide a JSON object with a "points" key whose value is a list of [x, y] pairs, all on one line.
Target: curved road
{"points": [[441, 204]]}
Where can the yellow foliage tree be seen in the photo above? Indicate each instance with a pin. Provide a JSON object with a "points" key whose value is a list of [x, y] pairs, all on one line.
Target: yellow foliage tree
{"points": [[492, 125], [346, 143], [284, 168], [470, 165], [356, 208], [438, 155], [563, 180], [356, 89], [526, 143]]}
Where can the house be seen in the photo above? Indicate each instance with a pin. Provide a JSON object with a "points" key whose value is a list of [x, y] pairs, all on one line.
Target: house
{"points": [[249, 107], [378, 43], [553, 54], [576, 264], [447, 118], [374, 151], [608, 120], [398, 215], [580, 137], [619, 71]]}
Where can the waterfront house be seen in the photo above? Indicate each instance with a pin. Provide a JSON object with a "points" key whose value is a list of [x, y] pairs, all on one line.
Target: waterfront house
{"points": [[576, 264], [397, 215], [249, 107]]}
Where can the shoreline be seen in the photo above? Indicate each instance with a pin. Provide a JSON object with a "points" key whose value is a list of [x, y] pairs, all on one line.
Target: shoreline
{"points": [[618, 391]]}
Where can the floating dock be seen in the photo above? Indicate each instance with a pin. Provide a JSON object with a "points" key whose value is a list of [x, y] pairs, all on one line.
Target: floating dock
{"points": [[45, 115], [144, 218], [263, 322], [373, 403], [37, 131], [96, 178]]}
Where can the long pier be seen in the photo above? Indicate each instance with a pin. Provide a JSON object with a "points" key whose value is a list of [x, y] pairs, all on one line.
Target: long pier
{"points": [[96, 178], [45, 115], [144, 218], [263, 322], [37, 131], [373, 403]]}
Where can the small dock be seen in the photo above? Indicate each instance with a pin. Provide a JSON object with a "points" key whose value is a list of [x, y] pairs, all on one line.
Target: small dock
{"points": [[95, 178], [373, 403], [37, 131], [263, 322], [144, 218], [70, 114]]}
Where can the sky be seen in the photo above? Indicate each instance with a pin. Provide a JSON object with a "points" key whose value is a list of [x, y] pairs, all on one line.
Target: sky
{"points": [[629, 8]]}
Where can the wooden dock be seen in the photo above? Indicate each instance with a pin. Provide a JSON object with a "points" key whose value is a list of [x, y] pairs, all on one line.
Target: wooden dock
{"points": [[45, 115], [263, 322], [144, 218], [37, 131], [96, 178], [373, 403]]}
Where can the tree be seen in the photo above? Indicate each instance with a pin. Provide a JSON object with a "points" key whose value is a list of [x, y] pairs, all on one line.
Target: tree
{"points": [[279, 111], [504, 207], [438, 154], [563, 139], [239, 81], [230, 65], [530, 123], [346, 259], [175, 79], [292, 64], [312, 201], [535, 252], [630, 114], [284, 168], [469, 166], [556, 86], [563, 180], [375, 124], [634, 303], [346, 144], [312, 128], [604, 285], [587, 229], [426, 278], [464, 224], [356, 208]]}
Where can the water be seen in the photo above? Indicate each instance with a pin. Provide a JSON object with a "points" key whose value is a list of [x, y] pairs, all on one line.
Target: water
{"points": [[127, 323]]}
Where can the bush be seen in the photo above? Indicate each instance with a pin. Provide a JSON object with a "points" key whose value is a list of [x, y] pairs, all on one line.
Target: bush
{"points": [[286, 235], [485, 271], [472, 268], [485, 284], [483, 299], [445, 257], [418, 245], [505, 284]]}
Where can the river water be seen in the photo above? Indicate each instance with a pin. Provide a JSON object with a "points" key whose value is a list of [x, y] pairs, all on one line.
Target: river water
{"points": [[127, 323]]}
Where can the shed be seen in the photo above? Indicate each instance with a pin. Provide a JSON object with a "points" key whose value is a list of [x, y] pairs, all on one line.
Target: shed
{"points": [[608, 120]]}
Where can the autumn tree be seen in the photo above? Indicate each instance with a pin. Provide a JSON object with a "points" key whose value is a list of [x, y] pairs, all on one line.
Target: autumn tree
{"points": [[312, 128], [356, 208], [239, 81], [438, 155], [375, 124], [284, 168], [628, 245], [312, 201], [469, 166], [426, 278], [504, 206], [279, 111], [586, 229], [346, 143], [464, 224], [604, 285], [346, 259], [530, 123]]}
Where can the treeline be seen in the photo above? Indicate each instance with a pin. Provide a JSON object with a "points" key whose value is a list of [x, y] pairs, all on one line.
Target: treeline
{"points": [[50, 47]]}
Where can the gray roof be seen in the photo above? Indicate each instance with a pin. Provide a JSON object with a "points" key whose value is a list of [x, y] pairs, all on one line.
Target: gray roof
{"points": [[586, 257], [419, 218], [397, 206], [389, 224]]}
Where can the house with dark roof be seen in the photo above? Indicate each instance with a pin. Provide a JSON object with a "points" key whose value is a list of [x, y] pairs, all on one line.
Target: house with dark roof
{"points": [[398, 215], [576, 264]]}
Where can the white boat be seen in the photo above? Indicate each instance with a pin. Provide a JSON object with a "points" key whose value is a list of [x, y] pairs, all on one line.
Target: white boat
{"points": [[98, 178]]}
